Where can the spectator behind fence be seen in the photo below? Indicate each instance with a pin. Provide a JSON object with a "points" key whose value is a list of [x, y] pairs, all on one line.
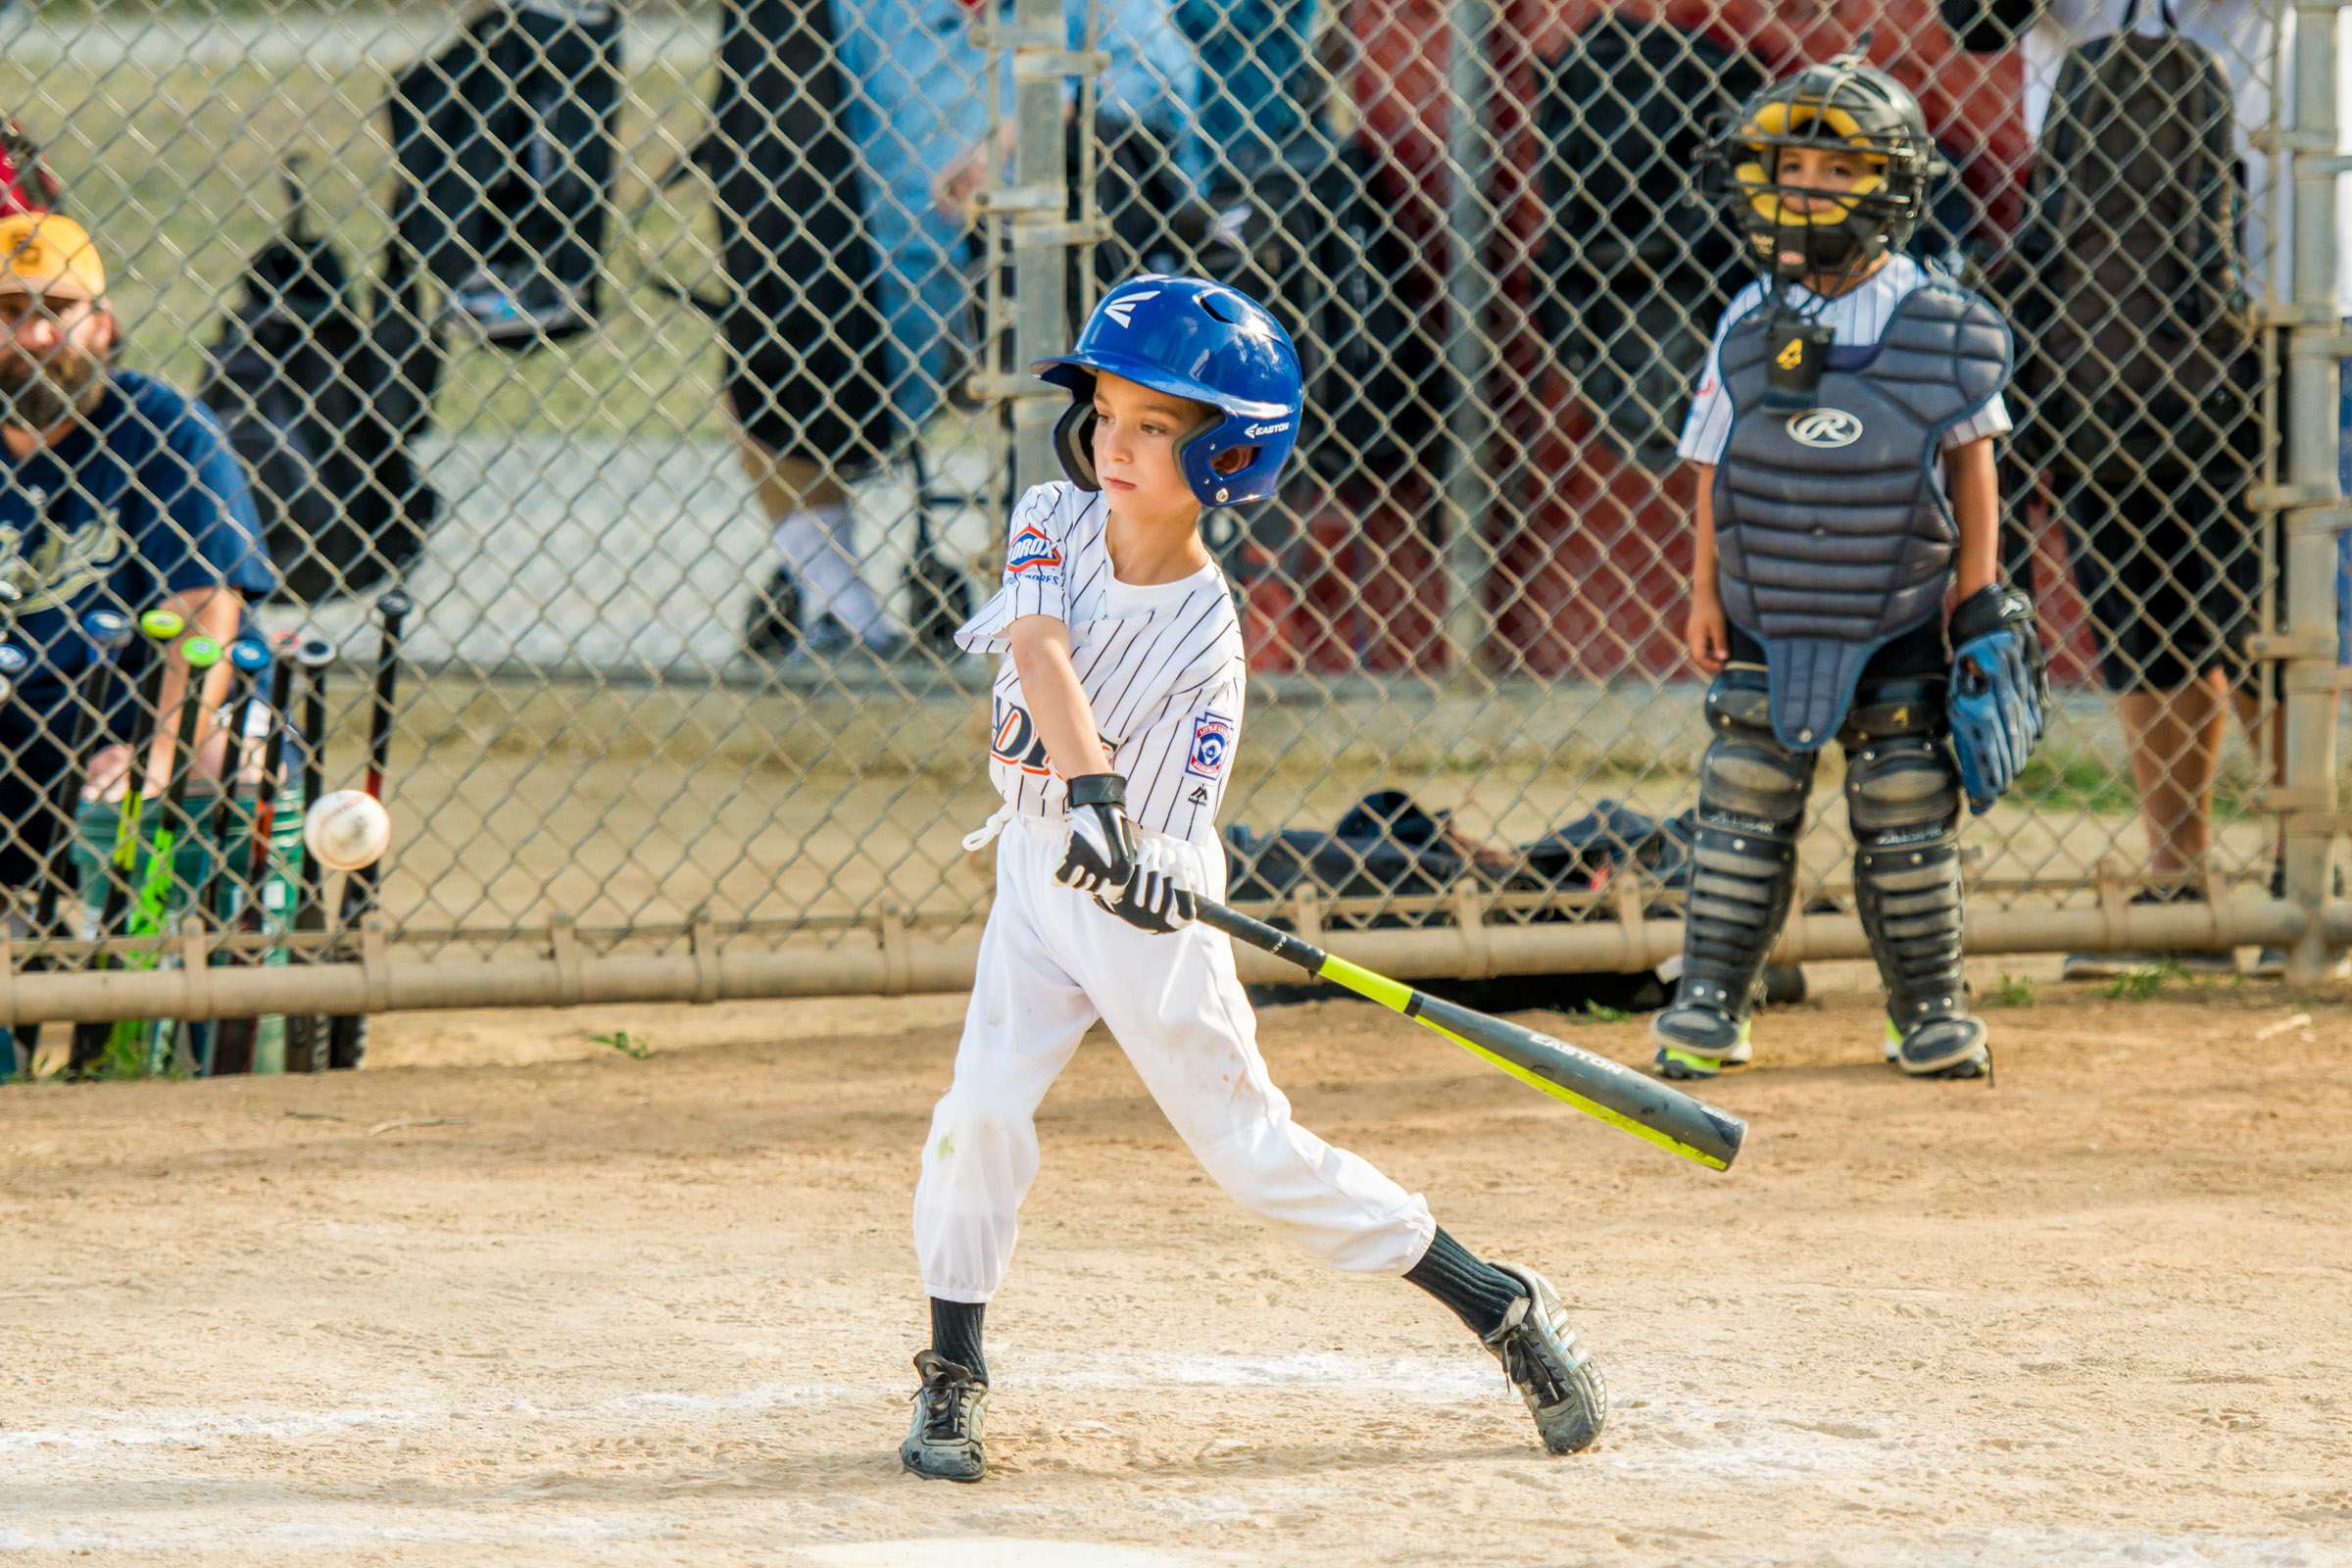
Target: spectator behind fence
{"points": [[2142, 392], [117, 492], [851, 139], [1150, 85], [1258, 88], [830, 124]]}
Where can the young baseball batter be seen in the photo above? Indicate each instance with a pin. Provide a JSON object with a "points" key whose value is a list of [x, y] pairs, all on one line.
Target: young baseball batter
{"points": [[1114, 725], [1842, 436]]}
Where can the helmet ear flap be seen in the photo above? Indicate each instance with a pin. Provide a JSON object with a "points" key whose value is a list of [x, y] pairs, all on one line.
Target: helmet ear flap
{"points": [[1074, 442]]}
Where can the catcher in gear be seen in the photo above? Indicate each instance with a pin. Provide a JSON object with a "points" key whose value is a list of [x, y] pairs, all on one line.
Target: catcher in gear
{"points": [[1116, 712], [1841, 439]]}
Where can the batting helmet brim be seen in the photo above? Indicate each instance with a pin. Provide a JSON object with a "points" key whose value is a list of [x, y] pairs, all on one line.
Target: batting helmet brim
{"points": [[1072, 370]]}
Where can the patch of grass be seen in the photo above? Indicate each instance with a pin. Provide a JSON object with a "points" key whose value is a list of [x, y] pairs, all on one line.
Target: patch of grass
{"points": [[1600, 1013], [628, 1044], [2140, 984], [2056, 779], [2061, 778], [2014, 990]]}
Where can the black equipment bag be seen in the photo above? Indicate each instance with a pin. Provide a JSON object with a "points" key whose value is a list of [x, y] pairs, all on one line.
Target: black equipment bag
{"points": [[506, 144], [323, 403], [2127, 289]]}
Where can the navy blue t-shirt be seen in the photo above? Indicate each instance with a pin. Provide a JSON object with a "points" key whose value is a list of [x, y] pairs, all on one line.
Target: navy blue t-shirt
{"points": [[144, 500]]}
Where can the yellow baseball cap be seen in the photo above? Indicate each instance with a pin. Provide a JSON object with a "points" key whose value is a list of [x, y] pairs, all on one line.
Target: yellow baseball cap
{"points": [[48, 253]]}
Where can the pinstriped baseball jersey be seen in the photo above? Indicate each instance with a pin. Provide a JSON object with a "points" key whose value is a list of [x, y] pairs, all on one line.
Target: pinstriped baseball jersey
{"points": [[1856, 319], [1161, 666]]}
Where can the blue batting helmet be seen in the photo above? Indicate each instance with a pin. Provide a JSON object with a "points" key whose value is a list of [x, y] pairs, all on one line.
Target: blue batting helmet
{"points": [[1194, 339]]}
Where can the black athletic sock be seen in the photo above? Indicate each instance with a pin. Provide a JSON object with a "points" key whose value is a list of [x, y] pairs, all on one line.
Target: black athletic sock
{"points": [[1477, 1291], [956, 1332]]}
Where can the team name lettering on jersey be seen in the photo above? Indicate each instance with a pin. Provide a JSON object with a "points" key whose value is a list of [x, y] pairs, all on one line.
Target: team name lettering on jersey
{"points": [[1015, 742]]}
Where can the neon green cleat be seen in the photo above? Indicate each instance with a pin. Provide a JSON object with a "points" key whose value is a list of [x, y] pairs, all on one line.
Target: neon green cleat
{"points": [[1696, 1041]]}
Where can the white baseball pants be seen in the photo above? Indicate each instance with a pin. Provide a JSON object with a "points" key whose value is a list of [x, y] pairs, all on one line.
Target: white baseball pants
{"points": [[1051, 962]]}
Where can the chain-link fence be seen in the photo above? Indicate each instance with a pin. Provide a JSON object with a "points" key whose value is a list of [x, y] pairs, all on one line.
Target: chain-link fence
{"points": [[666, 364]]}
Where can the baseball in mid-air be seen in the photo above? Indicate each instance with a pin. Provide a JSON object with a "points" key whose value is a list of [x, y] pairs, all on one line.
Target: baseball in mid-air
{"points": [[347, 830]]}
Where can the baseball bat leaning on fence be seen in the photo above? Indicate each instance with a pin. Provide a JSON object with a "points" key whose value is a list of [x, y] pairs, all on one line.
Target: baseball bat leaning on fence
{"points": [[250, 657], [151, 910], [347, 1034], [106, 631], [1629, 1100], [161, 628], [304, 1036], [234, 1051]]}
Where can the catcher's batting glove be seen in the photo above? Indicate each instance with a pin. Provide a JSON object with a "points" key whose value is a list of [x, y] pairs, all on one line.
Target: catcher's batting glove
{"points": [[1156, 900], [1102, 853]]}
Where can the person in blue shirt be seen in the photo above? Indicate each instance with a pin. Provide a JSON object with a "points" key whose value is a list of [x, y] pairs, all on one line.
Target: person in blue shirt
{"points": [[117, 492]]}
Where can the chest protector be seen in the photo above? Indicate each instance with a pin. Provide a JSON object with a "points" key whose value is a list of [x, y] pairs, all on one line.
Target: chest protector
{"points": [[1832, 532]]}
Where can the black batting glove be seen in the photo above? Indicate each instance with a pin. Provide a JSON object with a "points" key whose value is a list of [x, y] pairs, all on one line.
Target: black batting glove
{"points": [[1101, 853], [1156, 900]]}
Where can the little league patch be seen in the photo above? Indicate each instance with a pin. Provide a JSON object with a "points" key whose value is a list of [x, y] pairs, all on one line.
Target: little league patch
{"points": [[1212, 742]]}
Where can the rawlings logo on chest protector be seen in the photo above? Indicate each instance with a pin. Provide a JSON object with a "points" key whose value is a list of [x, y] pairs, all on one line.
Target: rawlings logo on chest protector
{"points": [[1825, 429]]}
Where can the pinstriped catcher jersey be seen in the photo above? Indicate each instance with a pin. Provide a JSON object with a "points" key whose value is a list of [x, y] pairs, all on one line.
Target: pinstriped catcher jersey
{"points": [[1162, 668]]}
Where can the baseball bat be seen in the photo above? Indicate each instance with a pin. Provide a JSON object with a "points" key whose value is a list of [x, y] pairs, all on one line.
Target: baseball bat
{"points": [[105, 631], [305, 1031], [236, 1035], [1629, 1100], [249, 658], [161, 628], [167, 1044], [347, 1033]]}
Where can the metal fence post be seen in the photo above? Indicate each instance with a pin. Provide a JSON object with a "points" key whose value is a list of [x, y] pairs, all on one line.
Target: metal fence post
{"points": [[1468, 352], [2316, 508], [1041, 240]]}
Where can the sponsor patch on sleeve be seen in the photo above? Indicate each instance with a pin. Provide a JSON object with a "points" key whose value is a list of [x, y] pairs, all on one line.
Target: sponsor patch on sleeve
{"points": [[1032, 550], [1212, 746]]}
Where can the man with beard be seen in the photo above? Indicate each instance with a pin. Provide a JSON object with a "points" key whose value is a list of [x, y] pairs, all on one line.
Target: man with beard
{"points": [[117, 492]]}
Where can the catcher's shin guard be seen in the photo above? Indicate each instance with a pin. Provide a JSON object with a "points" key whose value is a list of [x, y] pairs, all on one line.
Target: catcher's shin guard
{"points": [[1751, 802], [1902, 800]]}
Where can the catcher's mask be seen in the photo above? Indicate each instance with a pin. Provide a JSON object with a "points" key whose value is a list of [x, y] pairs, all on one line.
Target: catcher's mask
{"points": [[1844, 104]]}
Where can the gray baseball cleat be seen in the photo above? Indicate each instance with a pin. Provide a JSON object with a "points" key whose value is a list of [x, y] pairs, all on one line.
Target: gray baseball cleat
{"points": [[1940, 1048], [1552, 1373], [944, 1441], [1697, 1040]]}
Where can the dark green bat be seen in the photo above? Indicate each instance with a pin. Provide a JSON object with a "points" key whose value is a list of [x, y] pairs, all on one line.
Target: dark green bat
{"points": [[1629, 1100]]}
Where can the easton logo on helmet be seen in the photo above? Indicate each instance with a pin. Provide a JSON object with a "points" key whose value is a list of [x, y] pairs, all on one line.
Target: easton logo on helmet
{"points": [[1256, 430], [1031, 549], [1825, 429], [1122, 310]]}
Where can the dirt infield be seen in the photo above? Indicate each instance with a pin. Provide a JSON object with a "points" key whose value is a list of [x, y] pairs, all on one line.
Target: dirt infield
{"points": [[519, 1298]]}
